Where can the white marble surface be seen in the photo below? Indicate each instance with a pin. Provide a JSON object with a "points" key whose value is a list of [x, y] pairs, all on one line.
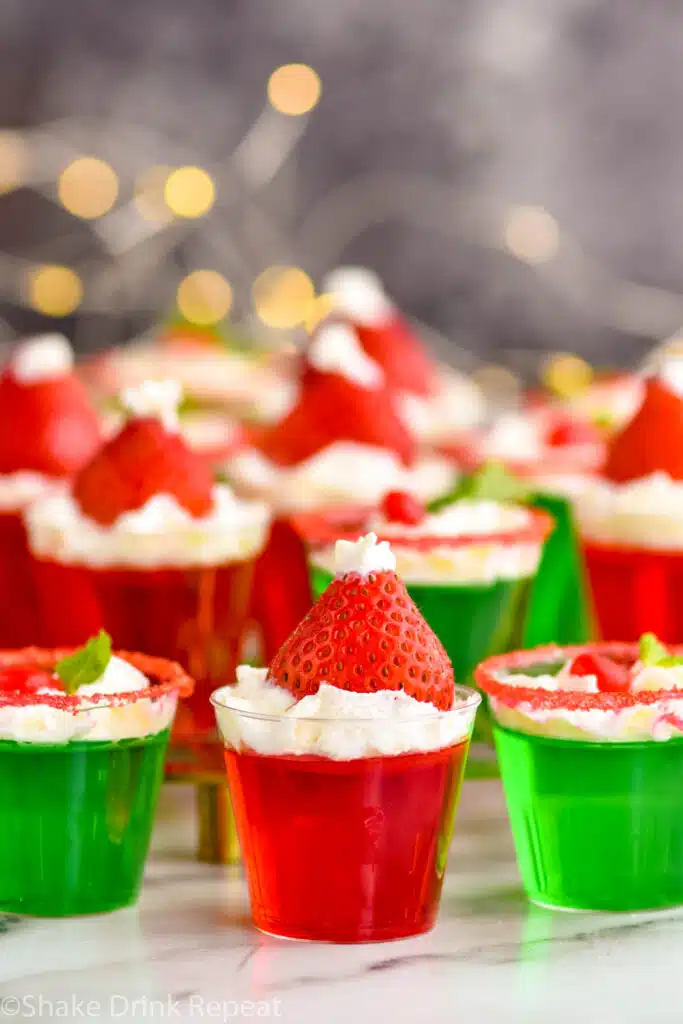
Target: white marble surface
{"points": [[188, 952]]}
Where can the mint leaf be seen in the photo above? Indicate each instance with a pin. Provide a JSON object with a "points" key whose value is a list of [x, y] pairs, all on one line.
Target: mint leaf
{"points": [[492, 482], [653, 652], [86, 664]]}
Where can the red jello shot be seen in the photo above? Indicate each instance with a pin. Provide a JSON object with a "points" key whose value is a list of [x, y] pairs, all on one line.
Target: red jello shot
{"points": [[48, 429], [146, 546], [345, 760], [630, 519]]}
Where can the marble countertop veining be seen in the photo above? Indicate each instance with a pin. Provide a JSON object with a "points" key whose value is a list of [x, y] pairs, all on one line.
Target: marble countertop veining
{"points": [[188, 953]]}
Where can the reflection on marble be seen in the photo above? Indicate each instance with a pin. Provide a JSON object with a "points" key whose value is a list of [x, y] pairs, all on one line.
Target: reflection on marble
{"points": [[188, 952]]}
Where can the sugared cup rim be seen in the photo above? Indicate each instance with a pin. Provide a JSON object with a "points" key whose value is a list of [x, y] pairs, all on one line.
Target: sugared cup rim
{"points": [[168, 678], [539, 698]]}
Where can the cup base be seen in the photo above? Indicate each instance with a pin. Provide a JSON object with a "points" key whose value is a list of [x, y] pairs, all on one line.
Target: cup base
{"points": [[350, 940], [22, 908], [603, 910]]}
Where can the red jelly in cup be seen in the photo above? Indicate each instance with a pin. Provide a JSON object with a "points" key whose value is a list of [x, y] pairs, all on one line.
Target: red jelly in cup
{"points": [[346, 850]]}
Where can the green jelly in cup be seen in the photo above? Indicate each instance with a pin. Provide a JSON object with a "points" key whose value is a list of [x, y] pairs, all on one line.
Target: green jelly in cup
{"points": [[596, 825], [76, 816]]}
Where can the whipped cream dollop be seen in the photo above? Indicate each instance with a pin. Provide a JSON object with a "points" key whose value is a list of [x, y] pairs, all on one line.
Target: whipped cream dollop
{"points": [[364, 556], [160, 534], [514, 436], [256, 715], [343, 473], [444, 560], [359, 294], [643, 513], [336, 349], [19, 489], [45, 357], [456, 405], [660, 721], [94, 720], [159, 399]]}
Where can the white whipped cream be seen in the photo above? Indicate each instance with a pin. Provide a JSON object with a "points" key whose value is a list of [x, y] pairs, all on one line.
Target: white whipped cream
{"points": [[45, 357], [359, 293], [335, 349], [440, 562], [342, 473], [514, 436], [363, 556], [160, 534], [334, 723], [670, 373], [41, 723], [457, 405], [644, 513], [18, 489], [158, 399], [660, 721]]}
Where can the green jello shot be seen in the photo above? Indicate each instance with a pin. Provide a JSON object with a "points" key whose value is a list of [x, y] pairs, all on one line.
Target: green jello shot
{"points": [[597, 825], [79, 780]]}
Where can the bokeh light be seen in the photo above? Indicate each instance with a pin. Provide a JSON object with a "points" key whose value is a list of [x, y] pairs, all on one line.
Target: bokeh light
{"points": [[531, 234], [283, 296], [88, 187], [566, 374], [54, 290], [500, 385], [204, 297], [294, 89], [13, 160], [189, 192], [148, 194]]}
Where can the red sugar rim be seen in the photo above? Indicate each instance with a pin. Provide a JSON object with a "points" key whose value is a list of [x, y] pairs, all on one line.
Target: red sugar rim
{"points": [[167, 677], [320, 529], [486, 676]]}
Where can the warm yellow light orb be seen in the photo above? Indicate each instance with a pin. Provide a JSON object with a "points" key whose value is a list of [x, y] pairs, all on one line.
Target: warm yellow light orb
{"points": [[54, 290], [294, 89], [204, 297], [566, 374], [531, 234], [88, 187], [189, 192], [283, 296]]}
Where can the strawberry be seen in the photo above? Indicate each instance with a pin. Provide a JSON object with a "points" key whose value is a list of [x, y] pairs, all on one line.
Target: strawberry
{"points": [[401, 507], [333, 408], [569, 431], [651, 441], [399, 351], [47, 426], [143, 460], [20, 679], [611, 677], [366, 634]]}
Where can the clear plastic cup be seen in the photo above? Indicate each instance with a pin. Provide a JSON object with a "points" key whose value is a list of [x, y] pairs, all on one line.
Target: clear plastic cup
{"points": [[596, 825], [76, 817], [345, 849]]}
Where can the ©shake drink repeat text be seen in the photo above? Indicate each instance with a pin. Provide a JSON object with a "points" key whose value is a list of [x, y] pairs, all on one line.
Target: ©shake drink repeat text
{"points": [[185, 1006]]}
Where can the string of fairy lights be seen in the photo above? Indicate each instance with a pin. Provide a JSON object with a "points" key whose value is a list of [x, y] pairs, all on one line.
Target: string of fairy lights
{"points": [[140, 215]]}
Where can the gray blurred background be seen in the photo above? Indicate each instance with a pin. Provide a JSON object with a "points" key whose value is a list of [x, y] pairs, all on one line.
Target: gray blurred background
{"points": [[512, 168]]}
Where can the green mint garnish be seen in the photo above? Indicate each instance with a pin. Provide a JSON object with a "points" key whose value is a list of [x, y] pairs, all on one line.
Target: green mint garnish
{"points": [[653, 652], [490, 483], [85, 665]]}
